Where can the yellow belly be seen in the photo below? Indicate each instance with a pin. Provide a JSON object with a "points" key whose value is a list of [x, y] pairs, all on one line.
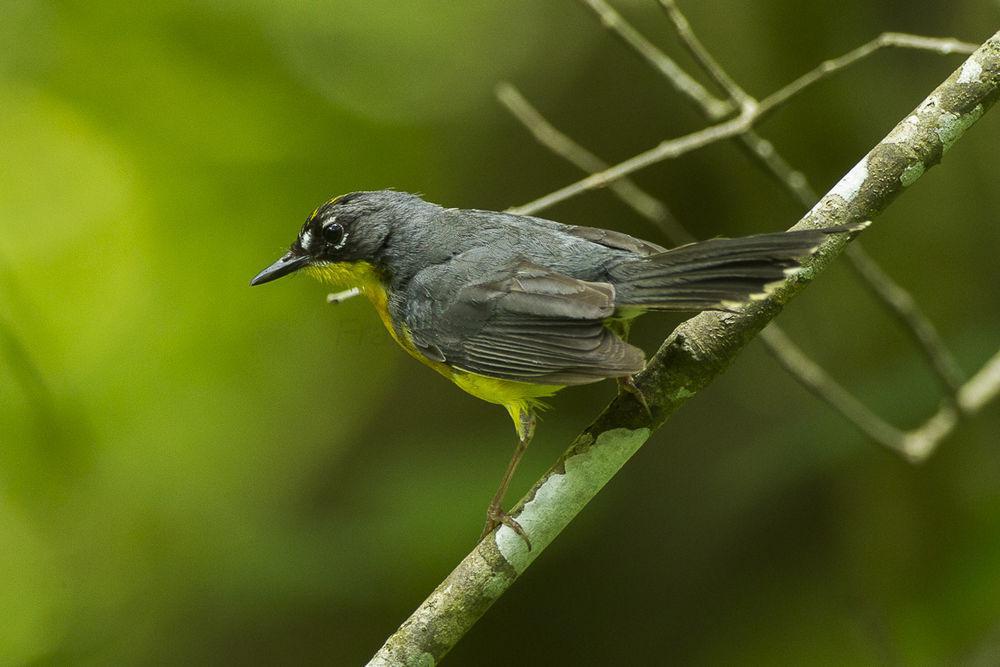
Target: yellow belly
{"points": [[516, 397]]}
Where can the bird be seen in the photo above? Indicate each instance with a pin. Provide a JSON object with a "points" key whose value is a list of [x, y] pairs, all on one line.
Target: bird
{"points": [[514, 308]]}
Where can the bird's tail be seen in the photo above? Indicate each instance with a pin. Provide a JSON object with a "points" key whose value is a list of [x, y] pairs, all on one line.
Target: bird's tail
{"points": [[717, 273]]}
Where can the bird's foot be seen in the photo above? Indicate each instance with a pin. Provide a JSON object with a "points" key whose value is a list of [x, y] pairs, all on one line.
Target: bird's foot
{"points": [[496, 516], [627, 384]]}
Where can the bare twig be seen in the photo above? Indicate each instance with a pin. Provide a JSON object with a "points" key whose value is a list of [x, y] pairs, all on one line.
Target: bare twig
{"points": [[972, 397], [715, 108], [691, 357], [892, 295], [814, 378], [793, 181], [703, 57], [759, 149], [709, 106], [981, 388]]}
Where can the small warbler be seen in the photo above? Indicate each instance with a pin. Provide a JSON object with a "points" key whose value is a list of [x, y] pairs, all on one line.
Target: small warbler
{"points": [[514, 308]]}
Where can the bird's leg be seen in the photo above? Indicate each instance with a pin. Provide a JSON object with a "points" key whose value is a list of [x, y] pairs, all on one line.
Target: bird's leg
{"points": [[495, 514], [626, 384]]}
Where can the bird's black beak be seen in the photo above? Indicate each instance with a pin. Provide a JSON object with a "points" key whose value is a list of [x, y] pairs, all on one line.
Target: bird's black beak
{"points": [[290, 263]]}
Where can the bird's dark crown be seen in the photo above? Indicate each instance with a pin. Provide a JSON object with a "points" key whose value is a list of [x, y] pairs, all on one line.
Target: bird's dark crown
{"points": [[352, 226]]}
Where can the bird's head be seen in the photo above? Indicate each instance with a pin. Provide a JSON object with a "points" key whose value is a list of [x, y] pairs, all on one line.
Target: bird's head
{"points": [[343, 232]]}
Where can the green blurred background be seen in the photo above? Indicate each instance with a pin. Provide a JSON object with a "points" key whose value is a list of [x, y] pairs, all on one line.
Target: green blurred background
{"points": [[194, 471]]}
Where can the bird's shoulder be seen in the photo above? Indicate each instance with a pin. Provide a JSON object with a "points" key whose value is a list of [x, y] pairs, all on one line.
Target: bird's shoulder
{"points": [[530, 229]]}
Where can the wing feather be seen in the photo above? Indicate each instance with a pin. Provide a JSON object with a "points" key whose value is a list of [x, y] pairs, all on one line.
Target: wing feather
{"points": [[531, 324]]}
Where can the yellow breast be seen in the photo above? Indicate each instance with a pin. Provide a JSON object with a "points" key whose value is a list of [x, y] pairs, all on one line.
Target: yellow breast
{"points": [[365, 277]]}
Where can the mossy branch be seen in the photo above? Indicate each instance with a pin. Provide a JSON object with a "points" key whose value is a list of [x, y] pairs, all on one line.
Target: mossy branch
{"points": [[890, 294], [690, 358]]}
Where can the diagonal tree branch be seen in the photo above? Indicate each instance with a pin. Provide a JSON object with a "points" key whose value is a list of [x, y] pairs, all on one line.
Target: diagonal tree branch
{"points": [[972, 397], [981, 388], [760, 150], [692, 356], [892, 295], [665, 150]]}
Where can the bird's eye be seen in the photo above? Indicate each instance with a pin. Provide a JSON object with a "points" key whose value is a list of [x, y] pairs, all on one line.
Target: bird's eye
{"points": [[333, 234]]}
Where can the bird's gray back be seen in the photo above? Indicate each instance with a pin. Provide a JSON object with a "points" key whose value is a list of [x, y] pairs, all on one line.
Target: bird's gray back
{"points": [[436, 256], [487, 239]]}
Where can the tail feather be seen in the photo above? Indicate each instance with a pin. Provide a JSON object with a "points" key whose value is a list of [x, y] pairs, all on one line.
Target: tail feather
{"points": [[725, 273], [717, 273]]}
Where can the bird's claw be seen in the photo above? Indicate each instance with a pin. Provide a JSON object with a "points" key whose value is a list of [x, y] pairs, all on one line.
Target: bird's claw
{"points": [[496, 516], [627, 384]]}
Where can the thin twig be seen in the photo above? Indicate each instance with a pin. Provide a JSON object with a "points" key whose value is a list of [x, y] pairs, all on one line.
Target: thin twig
{"points": [[891, 294], [972, 396], [646, 205], [981, 388], [715, 108], [692, 356], [793, 181], [941, 45], [665, 150], [709, 106], [703, 57], [904, 307]]}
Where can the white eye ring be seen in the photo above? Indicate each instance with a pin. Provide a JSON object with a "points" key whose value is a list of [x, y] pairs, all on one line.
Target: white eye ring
{"points": [[334, 234]]}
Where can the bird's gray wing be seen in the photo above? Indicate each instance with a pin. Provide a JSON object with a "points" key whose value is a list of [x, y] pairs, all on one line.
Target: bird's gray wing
{"points": [[527, 323], [614, 240]]}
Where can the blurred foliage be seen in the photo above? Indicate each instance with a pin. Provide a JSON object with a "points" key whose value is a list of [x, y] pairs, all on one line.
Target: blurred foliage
{"points": [[193, 471]]}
